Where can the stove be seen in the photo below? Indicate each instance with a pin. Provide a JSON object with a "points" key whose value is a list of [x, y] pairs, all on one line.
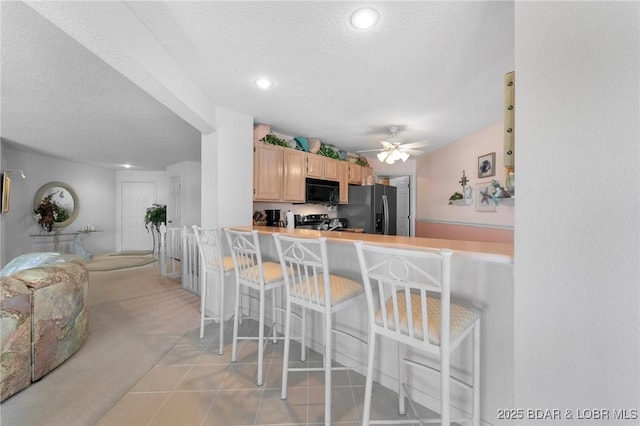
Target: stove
{"points": [[311, 221]]}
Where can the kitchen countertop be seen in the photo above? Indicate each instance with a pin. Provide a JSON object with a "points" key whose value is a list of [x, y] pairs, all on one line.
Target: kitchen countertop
{"points": [[473, 250]]}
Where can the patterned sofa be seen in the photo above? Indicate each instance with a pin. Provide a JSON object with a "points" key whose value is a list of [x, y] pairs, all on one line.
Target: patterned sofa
{"points": [[44, 317]]}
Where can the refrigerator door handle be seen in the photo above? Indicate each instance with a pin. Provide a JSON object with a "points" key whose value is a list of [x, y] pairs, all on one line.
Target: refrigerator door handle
{"points": [[385, 213]]}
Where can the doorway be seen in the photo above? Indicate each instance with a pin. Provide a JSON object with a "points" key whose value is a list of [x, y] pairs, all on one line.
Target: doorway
{"points": [[405, 214], [135, 198]]}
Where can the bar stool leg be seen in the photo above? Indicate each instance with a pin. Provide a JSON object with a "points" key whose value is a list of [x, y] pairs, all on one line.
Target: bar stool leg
{"points": [[285, 359], [236, 319], [327, 368], [476, 375], [203, 296], [444, 383], [366, 412], [303, 344], [221, 306], [260, 338], [402, 409], [273, 316]]}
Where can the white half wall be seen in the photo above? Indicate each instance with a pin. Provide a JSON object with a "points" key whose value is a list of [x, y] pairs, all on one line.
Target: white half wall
{"points": [[227, 171]]}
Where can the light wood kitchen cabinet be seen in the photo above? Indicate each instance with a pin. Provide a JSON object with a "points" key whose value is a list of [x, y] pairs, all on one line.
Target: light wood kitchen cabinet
{"points": [[279, 174], [293, 182], [332, 169], [344, 182], [323, 167], [355, 174], [367, 175], [315, 166], [267, 172]]}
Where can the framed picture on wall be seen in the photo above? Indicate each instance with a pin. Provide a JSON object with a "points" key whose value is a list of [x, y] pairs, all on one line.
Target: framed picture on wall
{"points": [[487, 165], [484, 197]]}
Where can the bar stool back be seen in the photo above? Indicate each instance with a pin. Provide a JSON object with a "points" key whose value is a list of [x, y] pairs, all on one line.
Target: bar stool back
{"points": [[310, 285], [253, 273], [212, 260], [408, 298]]}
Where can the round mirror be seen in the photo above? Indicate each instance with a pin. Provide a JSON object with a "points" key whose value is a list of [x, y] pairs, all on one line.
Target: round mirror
{"points": [[58, 200]]}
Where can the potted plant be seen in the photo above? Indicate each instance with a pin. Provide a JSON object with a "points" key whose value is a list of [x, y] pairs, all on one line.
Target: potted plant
{"points": [[155, 216]]}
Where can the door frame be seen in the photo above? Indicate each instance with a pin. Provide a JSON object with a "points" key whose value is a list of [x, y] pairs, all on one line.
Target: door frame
{"points": [[161, 185], [412, 195]]}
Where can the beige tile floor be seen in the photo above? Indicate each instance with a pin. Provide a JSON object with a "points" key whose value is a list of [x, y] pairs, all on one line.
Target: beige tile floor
{"points": [[193, 385]]}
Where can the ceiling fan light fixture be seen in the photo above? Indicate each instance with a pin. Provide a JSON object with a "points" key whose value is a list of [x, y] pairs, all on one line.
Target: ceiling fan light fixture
{"points": [[382, 155], [403, 156], [364, 18], [263, 83]]}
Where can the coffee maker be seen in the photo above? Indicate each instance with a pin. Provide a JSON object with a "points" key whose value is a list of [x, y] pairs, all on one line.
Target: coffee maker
{"points": [[273, 217]]}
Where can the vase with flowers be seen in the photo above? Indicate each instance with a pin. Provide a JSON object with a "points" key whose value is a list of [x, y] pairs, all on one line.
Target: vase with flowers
{"points": [[48, 213]]}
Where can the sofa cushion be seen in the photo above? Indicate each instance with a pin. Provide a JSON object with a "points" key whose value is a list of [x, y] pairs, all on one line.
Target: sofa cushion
{"points": [[15, 336], [34, 260], [60, 318]]}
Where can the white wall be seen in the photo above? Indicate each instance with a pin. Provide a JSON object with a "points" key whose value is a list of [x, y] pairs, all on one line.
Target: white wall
{"points": [[95, 187], [577, 242], [190, 180], [227, 171], [440, 172]]}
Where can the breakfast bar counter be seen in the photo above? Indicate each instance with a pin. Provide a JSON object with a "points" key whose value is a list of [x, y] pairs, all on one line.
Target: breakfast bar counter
{"points": [[473, 250], [481, 274]]}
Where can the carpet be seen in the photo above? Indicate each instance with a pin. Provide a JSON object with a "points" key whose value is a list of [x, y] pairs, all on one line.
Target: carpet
{"points": [[135, 317], [107, 262], [132, 253]]}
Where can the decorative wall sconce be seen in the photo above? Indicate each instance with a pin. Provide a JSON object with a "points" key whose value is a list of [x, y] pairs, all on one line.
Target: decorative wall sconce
{"points": [[6, 189]]}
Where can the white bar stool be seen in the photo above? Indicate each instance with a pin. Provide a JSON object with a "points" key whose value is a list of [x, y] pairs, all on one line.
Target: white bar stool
{"points": [[408, 298], [213, 261], [253, 273], [306, 272]]}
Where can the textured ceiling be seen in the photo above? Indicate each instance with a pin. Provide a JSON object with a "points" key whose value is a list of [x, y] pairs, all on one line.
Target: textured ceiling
{"points": [[434, 69]]}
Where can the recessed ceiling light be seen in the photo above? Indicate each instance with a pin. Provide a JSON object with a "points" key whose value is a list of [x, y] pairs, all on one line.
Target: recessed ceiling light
{"points": [[263, 83], [364, 18], [127, 166]]}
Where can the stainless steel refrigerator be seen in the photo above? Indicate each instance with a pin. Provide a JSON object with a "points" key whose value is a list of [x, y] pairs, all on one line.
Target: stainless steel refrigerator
{"points": [[371, 207]]}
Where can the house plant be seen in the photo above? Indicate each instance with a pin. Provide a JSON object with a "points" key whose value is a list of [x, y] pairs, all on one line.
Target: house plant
{"points": [[155, 216]]}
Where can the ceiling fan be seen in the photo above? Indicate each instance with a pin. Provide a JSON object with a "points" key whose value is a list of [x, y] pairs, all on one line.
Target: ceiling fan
{"points": [[394, 149]]}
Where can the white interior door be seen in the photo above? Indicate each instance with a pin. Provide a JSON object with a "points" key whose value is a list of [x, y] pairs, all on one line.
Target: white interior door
{"points": [[136, 197], [403, 221], [174, 208]]}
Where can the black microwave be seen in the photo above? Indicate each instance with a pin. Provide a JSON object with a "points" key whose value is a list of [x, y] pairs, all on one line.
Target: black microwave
{"points": [[319, 191]]}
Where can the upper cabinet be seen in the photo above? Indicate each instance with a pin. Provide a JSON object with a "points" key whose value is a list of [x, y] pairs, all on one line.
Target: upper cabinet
{"points": [[332, 169], [344, 182], [279, 173], [509, 120], [323, 167], [294, 176], [355, 174], [315, 166], [267, 172], [367, 175]]}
